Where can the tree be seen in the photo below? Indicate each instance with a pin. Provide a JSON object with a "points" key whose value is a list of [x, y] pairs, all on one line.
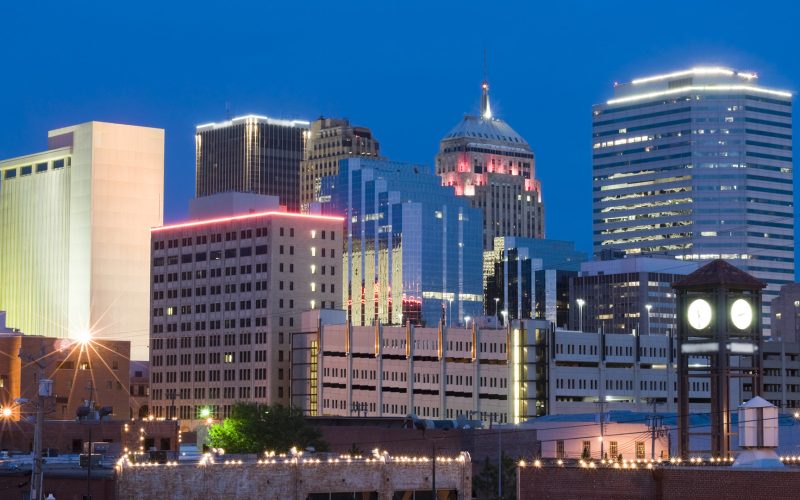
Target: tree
{"points": [[484, 484], [254, 428]]}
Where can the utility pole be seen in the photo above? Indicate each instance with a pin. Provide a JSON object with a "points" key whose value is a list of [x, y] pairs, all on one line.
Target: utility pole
{"points": [[90, 404], [601, 408], [45, 390], [655, 422], [433, 473]]}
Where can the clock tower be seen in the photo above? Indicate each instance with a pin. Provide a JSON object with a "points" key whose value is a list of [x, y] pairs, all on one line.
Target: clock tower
{"points": [[719, 337]]}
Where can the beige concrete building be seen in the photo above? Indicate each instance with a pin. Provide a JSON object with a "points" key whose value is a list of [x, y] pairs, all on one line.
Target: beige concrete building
{"points": [[227, 293], [330, 140], [74, 232]]}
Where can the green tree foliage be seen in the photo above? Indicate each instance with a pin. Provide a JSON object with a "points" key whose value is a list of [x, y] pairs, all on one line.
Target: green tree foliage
{"points": [[254, 428], [484, 484]]}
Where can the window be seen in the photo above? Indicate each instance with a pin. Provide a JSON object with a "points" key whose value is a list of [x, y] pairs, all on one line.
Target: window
{"points": [[639, 450], [613, 450], [587, 449], [560, 449]]}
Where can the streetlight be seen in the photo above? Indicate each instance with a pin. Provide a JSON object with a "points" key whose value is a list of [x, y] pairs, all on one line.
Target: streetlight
{"points": [[648, 307], [450, 313], [580, 302]]}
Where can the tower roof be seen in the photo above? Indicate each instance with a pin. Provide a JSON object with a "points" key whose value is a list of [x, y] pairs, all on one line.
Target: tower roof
{"points": [[719, 273], [485, 127], [491, 129]]}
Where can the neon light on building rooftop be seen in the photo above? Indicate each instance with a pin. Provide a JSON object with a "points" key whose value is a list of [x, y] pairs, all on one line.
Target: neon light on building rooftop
{"points": [[220, 220], [699, 88], [693, 71], [256, 118]]}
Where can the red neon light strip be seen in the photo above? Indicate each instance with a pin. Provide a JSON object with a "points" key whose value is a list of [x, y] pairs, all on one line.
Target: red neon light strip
{"points": [[246, 216]]}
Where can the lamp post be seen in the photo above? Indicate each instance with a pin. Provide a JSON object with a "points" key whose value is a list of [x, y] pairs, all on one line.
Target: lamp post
{"points": [[648, 307], [580, 302], [450, 312]]}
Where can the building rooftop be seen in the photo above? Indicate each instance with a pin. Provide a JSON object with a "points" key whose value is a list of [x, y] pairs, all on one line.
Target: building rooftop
{"points": [[697, 79], [254, 119], [719, 273]]}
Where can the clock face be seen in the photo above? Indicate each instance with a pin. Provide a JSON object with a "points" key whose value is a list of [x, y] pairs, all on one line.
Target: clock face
{"points": [[741, 314], [699, 314]]}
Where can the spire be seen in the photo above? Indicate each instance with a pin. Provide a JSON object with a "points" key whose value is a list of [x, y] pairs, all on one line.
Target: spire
{"points": [[486, 109]]}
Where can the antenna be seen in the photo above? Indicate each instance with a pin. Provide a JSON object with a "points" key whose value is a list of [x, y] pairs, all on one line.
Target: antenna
{"points": [[485, 70]]}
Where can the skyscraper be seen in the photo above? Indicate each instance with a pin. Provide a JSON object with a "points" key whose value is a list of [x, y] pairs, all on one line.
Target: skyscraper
{"points": [[697, 164], [251, 154], [75, 232], [331, 140], [485, 160], [412, 252]]}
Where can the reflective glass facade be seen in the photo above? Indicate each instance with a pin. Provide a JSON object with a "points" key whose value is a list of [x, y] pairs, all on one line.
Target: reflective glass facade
{"points": [[413, 250], [251, 154], [529, 277], [697, 164]]}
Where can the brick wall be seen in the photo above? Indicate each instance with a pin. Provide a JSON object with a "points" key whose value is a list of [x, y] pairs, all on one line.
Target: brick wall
{"points": [[673, 483], [288, 481]]}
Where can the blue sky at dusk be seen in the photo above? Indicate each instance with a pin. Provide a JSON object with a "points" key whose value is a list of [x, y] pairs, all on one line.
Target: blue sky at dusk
{"points": [[407, 70]]}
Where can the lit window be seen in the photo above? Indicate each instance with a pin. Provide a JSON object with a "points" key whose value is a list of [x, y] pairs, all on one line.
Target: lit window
{"points": [[313, 251], [313, 269], [313, 287], [313, 233], [313, 304]]}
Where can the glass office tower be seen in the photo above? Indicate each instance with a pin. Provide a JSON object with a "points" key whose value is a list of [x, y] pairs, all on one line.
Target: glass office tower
{"points": [[251, 154], [413, 249], [697, 164]]}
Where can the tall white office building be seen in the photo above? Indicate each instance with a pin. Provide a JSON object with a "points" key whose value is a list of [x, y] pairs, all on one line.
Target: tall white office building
{"points": [[697, 164], [75, 232]]}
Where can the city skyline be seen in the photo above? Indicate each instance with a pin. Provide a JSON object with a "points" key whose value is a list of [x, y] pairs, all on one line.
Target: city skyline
{"points": [[148, 88]]}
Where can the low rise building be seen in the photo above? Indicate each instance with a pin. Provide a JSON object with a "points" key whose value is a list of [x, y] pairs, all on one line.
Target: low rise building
{"points": [[95, 370], [140, 389]]}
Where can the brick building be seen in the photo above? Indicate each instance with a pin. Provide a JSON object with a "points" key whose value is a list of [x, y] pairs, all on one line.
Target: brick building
{"points": [[227, 290], [73, 366]]}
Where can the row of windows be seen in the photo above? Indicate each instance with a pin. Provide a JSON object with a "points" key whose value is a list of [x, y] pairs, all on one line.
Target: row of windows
{"points": [[38, 168]]}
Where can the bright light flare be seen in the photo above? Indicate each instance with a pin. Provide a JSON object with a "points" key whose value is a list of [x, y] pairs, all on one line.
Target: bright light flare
{"points": [[84, 337], [6, 412]]}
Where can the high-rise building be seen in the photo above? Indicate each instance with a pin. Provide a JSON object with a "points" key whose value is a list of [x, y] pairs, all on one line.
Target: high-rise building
{"points": [[786, 314], [632, 295], [75, 232], [227, 292], [412, 250], [529, 278], [331, 140], [697, 164], [251, 154], [490, 164]]}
